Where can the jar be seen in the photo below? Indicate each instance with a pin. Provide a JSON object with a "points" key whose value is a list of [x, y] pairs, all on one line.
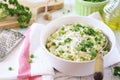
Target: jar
{"points": [[111, 14]]}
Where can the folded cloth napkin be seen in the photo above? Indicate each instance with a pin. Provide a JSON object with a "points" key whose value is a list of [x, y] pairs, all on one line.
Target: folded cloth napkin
{"points": [[19, 59]]}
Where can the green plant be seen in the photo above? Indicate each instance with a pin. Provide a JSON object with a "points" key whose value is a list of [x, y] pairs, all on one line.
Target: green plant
{"points": [[22, 13], [94, 0]]}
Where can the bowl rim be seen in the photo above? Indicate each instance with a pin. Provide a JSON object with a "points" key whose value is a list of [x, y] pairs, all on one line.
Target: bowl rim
{"points": [[94, 3], [52, 22]]}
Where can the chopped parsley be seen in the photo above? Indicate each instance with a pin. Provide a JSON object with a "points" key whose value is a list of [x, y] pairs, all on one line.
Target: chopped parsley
{"points": [[116, 71], [75, 28], [87, 43], [68, 40], [62, 31], [98, 38], [69, 57], [90, 31], [10, 68], [79, 25], [61, 51], [81, 48]]}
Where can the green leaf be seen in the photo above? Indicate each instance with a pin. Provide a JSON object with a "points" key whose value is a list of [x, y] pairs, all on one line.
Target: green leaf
{"points": [[68, 40]]}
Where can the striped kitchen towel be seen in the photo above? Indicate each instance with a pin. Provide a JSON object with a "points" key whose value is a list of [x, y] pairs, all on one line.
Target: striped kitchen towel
{"points": [[26, 60]]}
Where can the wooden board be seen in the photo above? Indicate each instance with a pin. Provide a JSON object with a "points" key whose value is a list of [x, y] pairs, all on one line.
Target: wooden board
{"points": [[35, 7]]}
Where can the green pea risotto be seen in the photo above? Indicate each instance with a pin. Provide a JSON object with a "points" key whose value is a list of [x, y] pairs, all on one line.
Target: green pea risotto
{"points": [[76, 42]]}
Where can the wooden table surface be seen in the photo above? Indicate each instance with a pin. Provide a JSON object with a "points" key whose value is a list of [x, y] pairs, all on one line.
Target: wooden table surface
{"points": [[69, 5]]}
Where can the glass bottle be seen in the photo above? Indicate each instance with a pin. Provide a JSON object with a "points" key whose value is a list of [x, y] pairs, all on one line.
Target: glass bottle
{"points": [[111, 14]]}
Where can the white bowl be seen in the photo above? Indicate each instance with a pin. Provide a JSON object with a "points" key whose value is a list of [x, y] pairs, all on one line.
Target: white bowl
{"points": [[70, 67]]}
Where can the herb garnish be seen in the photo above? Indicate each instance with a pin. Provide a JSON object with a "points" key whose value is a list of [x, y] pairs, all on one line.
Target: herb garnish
{"points": [[61, 51], [62, 31], [10, 68], [67, 40], [75, 28], [116, 71], [23, 13], [85, 44]]}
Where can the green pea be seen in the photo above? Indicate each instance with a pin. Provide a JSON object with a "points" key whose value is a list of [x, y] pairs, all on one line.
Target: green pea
{"points": [[31, 56]]}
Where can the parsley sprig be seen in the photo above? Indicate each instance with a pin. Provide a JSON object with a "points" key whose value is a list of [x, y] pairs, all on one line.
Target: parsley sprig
{"points": [[22, 12]]}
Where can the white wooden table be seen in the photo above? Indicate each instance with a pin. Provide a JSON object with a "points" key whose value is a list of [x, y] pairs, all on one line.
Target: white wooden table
{"points": [[69, 5]]}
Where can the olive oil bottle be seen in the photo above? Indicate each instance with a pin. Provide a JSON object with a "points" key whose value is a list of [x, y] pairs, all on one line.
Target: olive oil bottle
{"points": [[111, 14]]}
